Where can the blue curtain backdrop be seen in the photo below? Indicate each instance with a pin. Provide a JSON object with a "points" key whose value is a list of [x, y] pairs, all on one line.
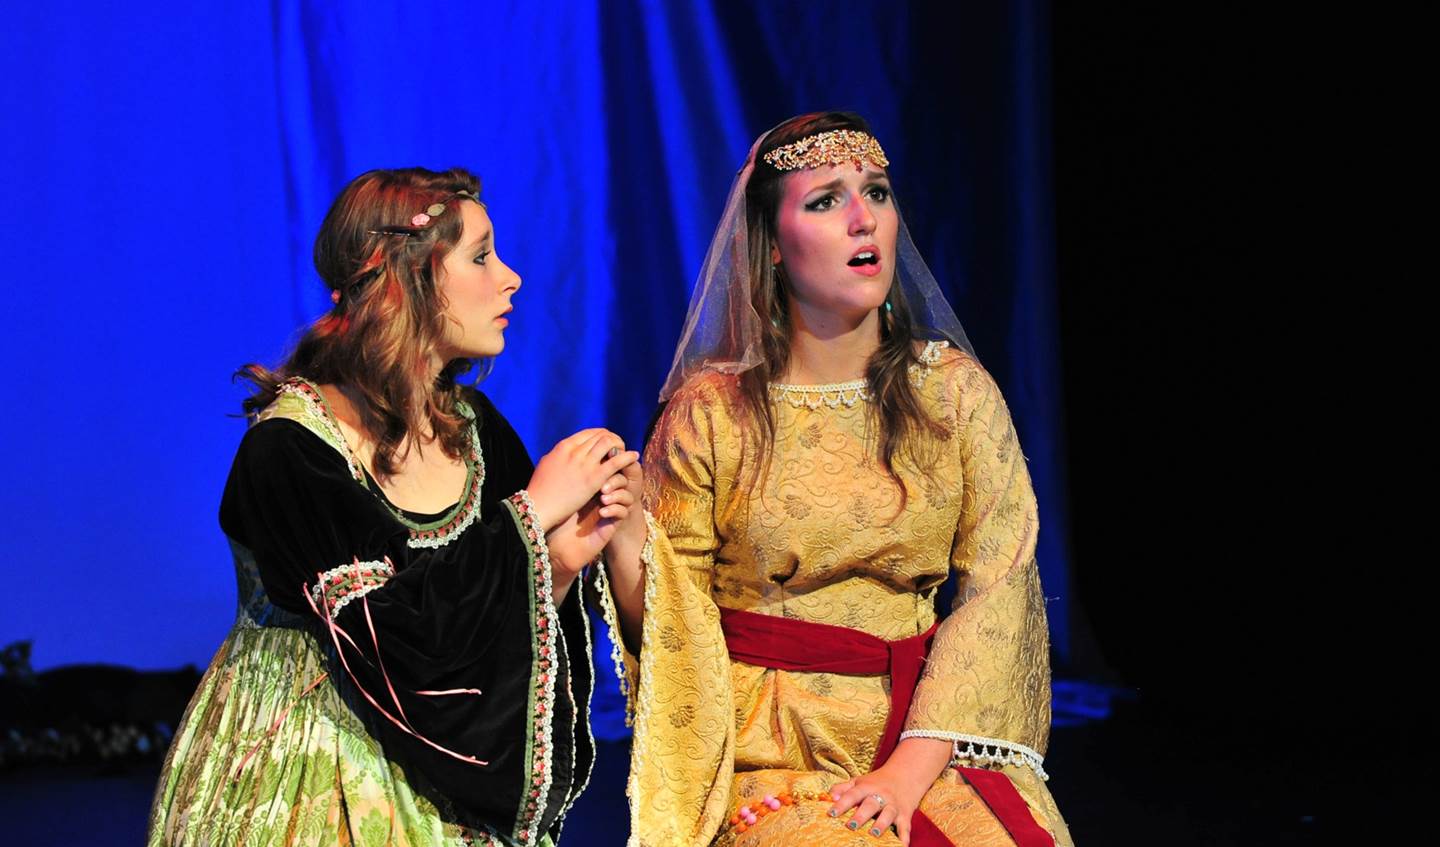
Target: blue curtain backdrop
{"points": [[166, 167]]}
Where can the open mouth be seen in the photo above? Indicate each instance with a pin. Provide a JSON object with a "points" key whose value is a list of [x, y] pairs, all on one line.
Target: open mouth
{"points": [[864, 257]]}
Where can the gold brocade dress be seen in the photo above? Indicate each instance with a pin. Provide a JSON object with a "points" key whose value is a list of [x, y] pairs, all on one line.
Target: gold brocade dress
{"points": [[822, 535]]}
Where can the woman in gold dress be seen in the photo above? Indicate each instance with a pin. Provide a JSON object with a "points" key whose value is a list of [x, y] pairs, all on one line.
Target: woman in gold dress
{"points": [[830, 449]]}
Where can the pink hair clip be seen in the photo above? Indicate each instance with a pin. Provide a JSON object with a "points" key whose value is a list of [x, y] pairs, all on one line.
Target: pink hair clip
{"points": [[420, 219]]}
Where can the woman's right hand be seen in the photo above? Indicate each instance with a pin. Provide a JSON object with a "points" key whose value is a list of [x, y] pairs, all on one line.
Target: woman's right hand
{"points": [[570, 474]]}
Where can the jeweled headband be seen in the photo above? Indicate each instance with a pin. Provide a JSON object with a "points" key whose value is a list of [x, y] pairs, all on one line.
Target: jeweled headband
{"points": [[828, 148]]}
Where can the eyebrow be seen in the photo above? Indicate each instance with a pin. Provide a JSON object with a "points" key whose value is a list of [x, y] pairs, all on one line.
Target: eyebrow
{"points": [[839, 181], [484, 237]]}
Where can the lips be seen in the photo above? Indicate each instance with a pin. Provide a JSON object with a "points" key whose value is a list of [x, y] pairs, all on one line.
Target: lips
{"points": [[866, 256], [866, 261]]}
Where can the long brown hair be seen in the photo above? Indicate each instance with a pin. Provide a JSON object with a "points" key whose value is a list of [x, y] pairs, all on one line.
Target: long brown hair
{"points": [[389, 317], [895, 403]]}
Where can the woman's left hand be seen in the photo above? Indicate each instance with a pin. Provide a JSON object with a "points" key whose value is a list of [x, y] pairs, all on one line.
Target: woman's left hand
{"points": [[890, 794], [579, 538]]}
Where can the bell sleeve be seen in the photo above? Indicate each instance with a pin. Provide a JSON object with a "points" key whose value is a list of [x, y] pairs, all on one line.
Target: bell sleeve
{"points": [[986, 684], [678, 687]]}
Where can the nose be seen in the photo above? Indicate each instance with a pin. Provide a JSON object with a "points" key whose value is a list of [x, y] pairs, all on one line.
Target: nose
{"points": [[862, 219], [512, 280]]}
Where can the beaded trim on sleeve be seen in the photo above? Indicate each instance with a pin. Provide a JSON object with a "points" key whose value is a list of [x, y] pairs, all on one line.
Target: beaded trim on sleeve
{"points": [[542, 675], [985, 751], [612, 617], [837, 394], [349, 582]]}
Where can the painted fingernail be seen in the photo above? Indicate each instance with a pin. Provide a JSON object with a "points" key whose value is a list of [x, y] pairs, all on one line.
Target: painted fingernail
{"points": [[834, 814], [853, 824], [875, 832]]}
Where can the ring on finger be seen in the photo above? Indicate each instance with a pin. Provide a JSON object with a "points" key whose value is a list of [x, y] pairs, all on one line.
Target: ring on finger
{"points": [[880, 801]]}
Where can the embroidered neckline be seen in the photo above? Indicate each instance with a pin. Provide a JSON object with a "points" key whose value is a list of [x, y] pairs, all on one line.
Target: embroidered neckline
{"points": [[430, 534], [837, 394]]}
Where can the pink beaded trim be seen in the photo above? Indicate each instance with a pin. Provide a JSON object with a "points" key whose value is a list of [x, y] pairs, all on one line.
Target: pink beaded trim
{"points": [[543, 673], [334, 589], [750, 814]]}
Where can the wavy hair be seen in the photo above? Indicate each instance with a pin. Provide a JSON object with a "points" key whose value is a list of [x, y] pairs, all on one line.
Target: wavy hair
{"points": [[389, 317], [896, 404]]}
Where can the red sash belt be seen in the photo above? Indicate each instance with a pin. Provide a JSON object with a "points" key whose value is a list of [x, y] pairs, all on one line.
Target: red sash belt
{"points": [[769, 641]]}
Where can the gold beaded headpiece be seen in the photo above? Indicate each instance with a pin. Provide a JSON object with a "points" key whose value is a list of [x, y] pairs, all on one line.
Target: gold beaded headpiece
{"points": [[828, 148]]}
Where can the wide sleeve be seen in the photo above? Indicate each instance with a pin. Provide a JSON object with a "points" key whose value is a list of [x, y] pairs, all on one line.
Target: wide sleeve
{"points": [[682, 760], [986, 685], [441, 646]]}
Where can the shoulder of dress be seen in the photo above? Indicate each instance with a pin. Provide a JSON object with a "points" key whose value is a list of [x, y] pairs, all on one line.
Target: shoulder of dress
{"points": [[959, 369], [706, 389], [299, 401]]}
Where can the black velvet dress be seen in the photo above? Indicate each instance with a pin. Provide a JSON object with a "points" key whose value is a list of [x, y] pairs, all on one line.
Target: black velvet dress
{"points": [[344, 705]]}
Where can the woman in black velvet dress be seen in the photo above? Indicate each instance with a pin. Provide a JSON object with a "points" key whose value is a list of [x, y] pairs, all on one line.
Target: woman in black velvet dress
{"points": [[410, 660]]}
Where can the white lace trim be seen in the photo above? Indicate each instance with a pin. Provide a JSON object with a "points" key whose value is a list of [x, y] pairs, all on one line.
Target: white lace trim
{"points": [[382, 571], [985, 751], [646, 682], [612, 623], [612, 616], [450, 533], [837, 394]]}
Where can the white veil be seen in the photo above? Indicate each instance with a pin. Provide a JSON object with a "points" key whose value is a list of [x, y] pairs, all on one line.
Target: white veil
{"points": [[722, 330]]}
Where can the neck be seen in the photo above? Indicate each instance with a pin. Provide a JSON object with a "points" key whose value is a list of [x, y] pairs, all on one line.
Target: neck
{"points": [[352, 401], [826, 348]]}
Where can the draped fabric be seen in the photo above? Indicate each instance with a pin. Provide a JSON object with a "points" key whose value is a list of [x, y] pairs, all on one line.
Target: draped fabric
{"points": [[168, 165]]}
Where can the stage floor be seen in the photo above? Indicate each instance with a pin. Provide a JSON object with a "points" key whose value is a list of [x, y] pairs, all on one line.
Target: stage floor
{"points": [[1128, 778]]}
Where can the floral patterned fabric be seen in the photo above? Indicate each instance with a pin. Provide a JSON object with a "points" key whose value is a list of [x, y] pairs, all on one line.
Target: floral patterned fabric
{"points": [[822, 534]]}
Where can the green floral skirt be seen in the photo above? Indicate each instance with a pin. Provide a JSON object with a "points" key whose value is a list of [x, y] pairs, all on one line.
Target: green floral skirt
{"points": [[268, 754]]}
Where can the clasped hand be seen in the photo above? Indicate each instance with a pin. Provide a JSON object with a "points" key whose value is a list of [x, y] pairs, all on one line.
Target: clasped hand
{"points": [[583, 495]]}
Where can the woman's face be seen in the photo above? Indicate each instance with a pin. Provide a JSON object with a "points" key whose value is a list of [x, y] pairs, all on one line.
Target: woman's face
{"points": [[477, 286], [835, 240]]}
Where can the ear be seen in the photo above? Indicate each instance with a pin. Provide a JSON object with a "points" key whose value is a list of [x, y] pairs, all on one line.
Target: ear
{"points": [[774, 253]]}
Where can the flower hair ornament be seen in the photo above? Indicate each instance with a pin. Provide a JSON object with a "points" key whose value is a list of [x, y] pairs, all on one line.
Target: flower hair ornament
{"points": [[420, 220], [418, 224]]}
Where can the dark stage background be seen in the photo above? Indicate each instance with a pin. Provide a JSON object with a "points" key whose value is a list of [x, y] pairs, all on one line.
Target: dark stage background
{"points": [[1064, 171]]}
